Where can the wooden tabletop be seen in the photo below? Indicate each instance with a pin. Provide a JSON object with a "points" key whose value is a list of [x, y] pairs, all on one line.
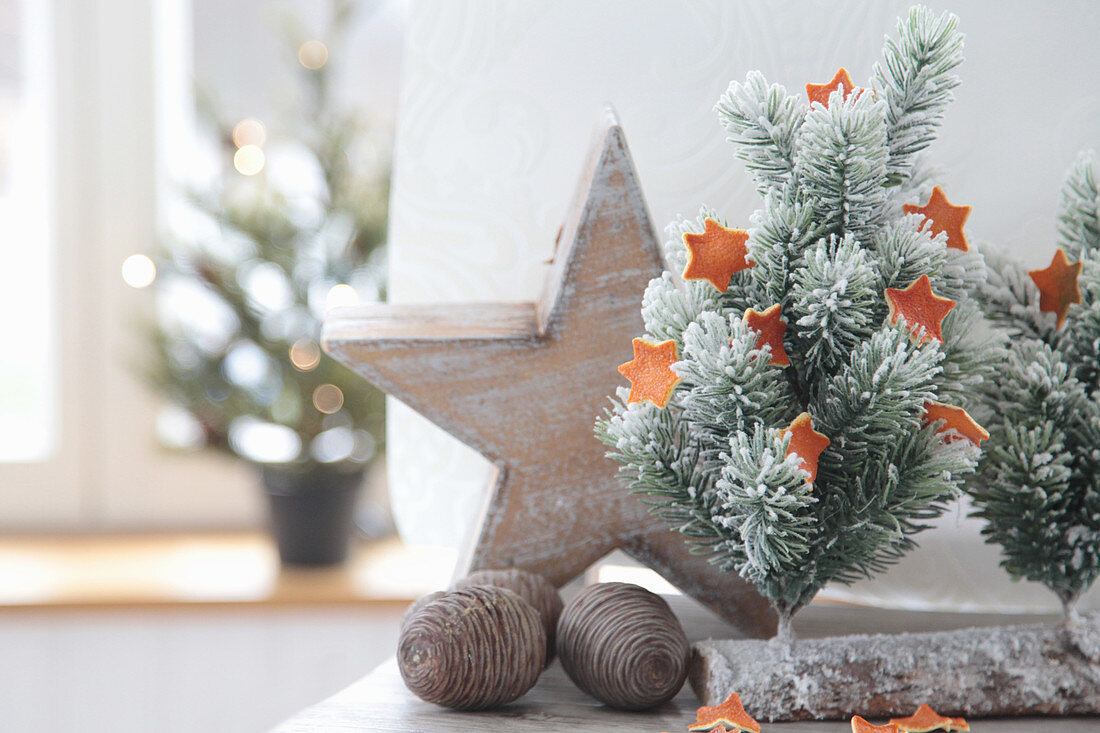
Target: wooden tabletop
{"points": [[380, 702]]}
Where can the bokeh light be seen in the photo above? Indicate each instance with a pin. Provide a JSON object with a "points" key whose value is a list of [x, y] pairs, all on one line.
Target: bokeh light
{"points": [[263, 442], [249, 160], [341, 295], [333, 445], [139, 271], [328, 398], [249, 131], [313, 54], [305, 354]]}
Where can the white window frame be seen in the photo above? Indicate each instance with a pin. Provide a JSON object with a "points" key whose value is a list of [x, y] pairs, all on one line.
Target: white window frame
{"points": [[107, 472]]}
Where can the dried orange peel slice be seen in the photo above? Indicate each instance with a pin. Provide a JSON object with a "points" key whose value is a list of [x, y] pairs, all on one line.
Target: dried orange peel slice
{"points": [[1058, 288], [806, 443], [730, 713], [821, 92], [926, 719], [770, 328], [716, 254], [945, 217], [920, 307], [650, 372], [957, 419]]}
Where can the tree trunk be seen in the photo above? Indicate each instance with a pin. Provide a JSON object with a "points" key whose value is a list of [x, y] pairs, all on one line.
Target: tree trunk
{"points": [[978, 672]]}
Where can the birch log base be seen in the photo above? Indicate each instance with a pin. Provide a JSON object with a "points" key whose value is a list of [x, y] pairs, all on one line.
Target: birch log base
{"points": [[380, 702], [523, 384], [976, 672]]}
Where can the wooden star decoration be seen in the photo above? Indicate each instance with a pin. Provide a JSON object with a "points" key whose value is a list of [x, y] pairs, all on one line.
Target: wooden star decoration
{"points": [[920, 307], [523, 383], [806, 443], [770, 328], [822, 92], [716, 255], [859, 725], [730, 713], [926, 719], [1058, 288], [944, 217], [956, 419], [650, 372]]}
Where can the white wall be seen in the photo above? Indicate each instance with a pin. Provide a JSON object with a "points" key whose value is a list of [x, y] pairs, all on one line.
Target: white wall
{"points": [[498, 103]]}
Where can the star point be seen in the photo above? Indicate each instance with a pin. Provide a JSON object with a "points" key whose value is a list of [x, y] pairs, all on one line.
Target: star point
{"points": [[944, 217], [770, 328], [926, 719], [806, 443], [716, 255], [920, 307], [650, 372], [954, 419], [821, 92], [729, 714], [1058, 286]]}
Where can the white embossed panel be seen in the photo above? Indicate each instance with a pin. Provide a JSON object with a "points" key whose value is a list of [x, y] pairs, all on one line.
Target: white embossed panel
{"points": [[498, 103]]}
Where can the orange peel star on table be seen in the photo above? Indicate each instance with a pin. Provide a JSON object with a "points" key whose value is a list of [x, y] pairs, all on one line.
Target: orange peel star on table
{"points": [[925, 719], [730, 713], [859, 725]]}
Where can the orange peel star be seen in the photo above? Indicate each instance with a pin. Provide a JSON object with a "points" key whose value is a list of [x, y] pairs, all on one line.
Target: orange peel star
{"points": [[954, 418], [859, 725], [945, 217], [820, 92], [770, 328], [1058, 288], [926, 719], [650, 372], [919, 306], [806, 443], [716, 254], [730, 713]]}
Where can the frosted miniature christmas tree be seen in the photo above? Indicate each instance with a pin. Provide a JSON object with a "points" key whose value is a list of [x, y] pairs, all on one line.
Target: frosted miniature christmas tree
{"points": [[798, 402], [1039, 488]]}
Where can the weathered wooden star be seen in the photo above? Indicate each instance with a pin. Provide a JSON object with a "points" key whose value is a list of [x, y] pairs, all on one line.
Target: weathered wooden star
{"points": [[523, 384]]}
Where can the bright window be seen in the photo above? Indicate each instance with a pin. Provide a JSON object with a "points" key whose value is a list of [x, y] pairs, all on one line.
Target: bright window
{"points": [[28, 392]]}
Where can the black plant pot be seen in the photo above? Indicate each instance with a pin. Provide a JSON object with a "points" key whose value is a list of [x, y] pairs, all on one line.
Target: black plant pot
{"points": [[311, 513]]}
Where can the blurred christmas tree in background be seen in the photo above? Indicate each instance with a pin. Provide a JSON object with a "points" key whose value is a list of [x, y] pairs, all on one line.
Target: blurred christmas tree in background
{"points": [[242, 295]]}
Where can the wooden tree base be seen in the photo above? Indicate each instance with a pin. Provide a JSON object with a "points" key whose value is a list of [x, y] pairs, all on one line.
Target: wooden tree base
{"points": [[977, 672]]}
